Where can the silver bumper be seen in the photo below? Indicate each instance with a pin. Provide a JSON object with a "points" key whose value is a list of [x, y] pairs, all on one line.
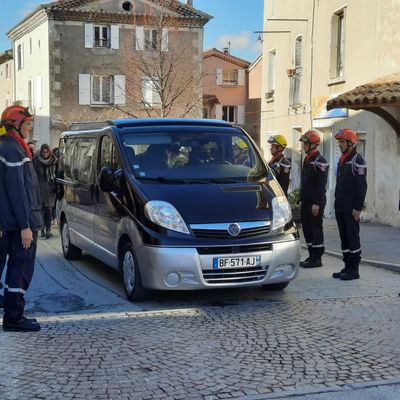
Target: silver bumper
{"points": [[185, 269]]}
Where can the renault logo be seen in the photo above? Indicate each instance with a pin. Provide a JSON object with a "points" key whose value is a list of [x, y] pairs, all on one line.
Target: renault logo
{"points": [[234, 229]]}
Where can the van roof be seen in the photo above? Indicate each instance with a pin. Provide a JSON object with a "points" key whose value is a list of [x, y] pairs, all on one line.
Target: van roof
{"points": [[95, 126]]}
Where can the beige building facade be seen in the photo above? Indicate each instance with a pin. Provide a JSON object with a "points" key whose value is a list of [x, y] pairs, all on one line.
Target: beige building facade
{"points": [[315, 50], [6, 79]]}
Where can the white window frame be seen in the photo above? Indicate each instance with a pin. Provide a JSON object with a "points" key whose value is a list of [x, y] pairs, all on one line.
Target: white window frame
{"points": [[230, 77], [20, 56], [271, 75], [338, 44], [295, 80], [101, 79], [227, 113], [102, 42]]}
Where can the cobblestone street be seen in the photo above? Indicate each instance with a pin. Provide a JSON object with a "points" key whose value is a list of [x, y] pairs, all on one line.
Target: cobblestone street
{"points": [[319, 334]]}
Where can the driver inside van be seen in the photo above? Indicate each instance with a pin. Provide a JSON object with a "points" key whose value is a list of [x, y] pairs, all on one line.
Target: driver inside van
{"points": [[201, 155]]}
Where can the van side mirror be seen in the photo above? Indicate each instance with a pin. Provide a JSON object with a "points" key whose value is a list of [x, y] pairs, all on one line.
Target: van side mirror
{"points": [[106, 180]]}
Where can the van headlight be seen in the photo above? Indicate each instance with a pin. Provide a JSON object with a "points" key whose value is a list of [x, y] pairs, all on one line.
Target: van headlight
{"points": [[282, 213], [166, 215]]}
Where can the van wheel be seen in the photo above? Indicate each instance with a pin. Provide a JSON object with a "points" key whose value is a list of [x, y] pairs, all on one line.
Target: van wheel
{"points": [[134, 289], [70, 251], [276, 286]]}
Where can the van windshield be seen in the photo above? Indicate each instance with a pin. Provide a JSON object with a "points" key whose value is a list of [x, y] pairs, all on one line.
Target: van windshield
{"points": [[193, 157]]}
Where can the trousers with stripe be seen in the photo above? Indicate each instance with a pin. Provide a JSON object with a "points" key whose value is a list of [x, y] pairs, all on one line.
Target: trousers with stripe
{"points": [[20, 268], [312, 228], [3, 253], [349, 231]]}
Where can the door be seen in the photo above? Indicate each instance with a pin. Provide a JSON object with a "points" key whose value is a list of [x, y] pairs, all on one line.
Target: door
{"points": [[107, 210], [82, 214]]}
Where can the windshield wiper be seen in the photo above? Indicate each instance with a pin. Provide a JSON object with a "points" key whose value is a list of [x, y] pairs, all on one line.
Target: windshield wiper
{"points": [[162, 179]]}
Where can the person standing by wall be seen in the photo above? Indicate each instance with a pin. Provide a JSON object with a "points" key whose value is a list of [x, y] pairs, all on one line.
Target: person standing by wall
{"points": [[313, 198], [350, 193], [20, 217], [279, 164], [45, 167], [3, 239]]}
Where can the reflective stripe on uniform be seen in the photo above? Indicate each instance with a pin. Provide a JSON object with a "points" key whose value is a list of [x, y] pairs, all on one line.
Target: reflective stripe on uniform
{"points": [[317, 245], [15, 290], [346, 251], [355, 251], [14, 164]]}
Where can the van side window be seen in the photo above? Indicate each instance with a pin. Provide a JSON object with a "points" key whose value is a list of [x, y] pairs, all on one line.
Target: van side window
{"points": [[82, 170], [108, 157], [69, 155]]}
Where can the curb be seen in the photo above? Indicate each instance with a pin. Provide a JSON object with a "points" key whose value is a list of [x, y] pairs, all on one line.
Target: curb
{"points": [[373, 263]]}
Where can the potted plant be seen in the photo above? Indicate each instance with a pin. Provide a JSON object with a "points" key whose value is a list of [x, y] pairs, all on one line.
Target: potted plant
{"points": [[294, 201], [290, 72]]}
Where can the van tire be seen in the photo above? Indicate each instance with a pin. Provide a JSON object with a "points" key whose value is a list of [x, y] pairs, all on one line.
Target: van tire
{"points": [[276, 286], [134, 289], [70, 251]]}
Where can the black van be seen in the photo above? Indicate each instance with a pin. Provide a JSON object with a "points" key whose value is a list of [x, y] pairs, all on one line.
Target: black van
{"points": [[175, 204]]}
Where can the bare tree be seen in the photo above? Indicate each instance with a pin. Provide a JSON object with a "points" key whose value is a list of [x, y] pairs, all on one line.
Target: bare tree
{"points": [[162, 67]]}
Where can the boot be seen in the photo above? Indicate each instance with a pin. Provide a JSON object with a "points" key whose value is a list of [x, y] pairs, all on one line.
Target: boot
{"points": [[23, 325], [314, 262], [343, 271], [308, 259], [42, 233], [351, 273], [48, 234]]}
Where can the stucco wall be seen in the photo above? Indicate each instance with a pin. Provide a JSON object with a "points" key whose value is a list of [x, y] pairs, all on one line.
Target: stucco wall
{"points": [[6, 85]]}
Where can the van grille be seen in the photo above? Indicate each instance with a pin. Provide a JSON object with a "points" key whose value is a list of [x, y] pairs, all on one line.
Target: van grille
{"points": [[223, 233], [253, 248], [234, 275]]}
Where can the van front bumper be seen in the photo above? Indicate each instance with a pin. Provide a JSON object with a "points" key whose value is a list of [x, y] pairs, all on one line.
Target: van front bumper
{"points": [[182, 268]]}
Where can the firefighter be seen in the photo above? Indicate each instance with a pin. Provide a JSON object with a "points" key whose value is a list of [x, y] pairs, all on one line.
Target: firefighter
{"points": [[3, 239], [313, 198], [20, 216], [350, 192], [279, 164]]}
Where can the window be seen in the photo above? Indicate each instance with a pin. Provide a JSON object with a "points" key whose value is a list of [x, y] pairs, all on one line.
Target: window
{"points": [[150, 92], [230, 77], [229, 113], [30, 45], [83, 163], [150, 39], [102, 36], [8, 71], [30, 94], [102, 89], [338, 44], [298, 70], [20, 56], [108, 156], [271, 75]]}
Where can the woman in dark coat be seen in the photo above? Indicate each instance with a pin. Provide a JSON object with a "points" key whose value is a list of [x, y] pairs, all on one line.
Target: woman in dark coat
{"points": [[45, 166]]}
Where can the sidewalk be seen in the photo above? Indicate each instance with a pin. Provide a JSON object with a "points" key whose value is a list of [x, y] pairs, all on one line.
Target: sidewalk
{"points": [[380, 244]]}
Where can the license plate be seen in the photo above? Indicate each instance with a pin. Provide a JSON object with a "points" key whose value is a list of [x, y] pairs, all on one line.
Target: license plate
{"points": [[236, 262]]}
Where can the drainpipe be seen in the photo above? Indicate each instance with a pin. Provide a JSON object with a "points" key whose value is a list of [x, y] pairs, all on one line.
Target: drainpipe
{"points": [[312, 62]]}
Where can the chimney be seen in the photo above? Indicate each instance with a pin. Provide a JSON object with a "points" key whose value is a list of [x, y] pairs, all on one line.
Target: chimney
{"points": [[189, 3], [226, 50]]}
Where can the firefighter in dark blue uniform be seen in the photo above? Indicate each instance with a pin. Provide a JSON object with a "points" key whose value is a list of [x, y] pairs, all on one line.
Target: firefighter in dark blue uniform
{"points": [[3, 238], [279, 164], [20, 216], [313, 198], [350, 192]]}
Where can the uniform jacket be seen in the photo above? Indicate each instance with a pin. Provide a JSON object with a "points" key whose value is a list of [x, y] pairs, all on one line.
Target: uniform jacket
{"points": [[280, 166], [20, 205], [313, 179], [351, 184]]}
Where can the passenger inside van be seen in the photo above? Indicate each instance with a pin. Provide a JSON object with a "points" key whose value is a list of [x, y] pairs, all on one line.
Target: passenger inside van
{"points": [[155, 157]]}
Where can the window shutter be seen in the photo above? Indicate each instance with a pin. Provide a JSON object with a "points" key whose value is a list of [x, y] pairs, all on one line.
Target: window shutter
{"points": [[241, 77], [147, 91], [139, 38], [115, 37], [84, 89], [119, 89], [271, 71], [240, 115], [219, 77], [218, 111], [297, 52], [38, 91], [89, 36], [22, 55], [164, 39]]}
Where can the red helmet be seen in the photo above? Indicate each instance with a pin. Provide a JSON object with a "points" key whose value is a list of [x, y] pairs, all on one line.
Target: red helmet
{"points": [[347, 134], [311, 137], [15, 116]]}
